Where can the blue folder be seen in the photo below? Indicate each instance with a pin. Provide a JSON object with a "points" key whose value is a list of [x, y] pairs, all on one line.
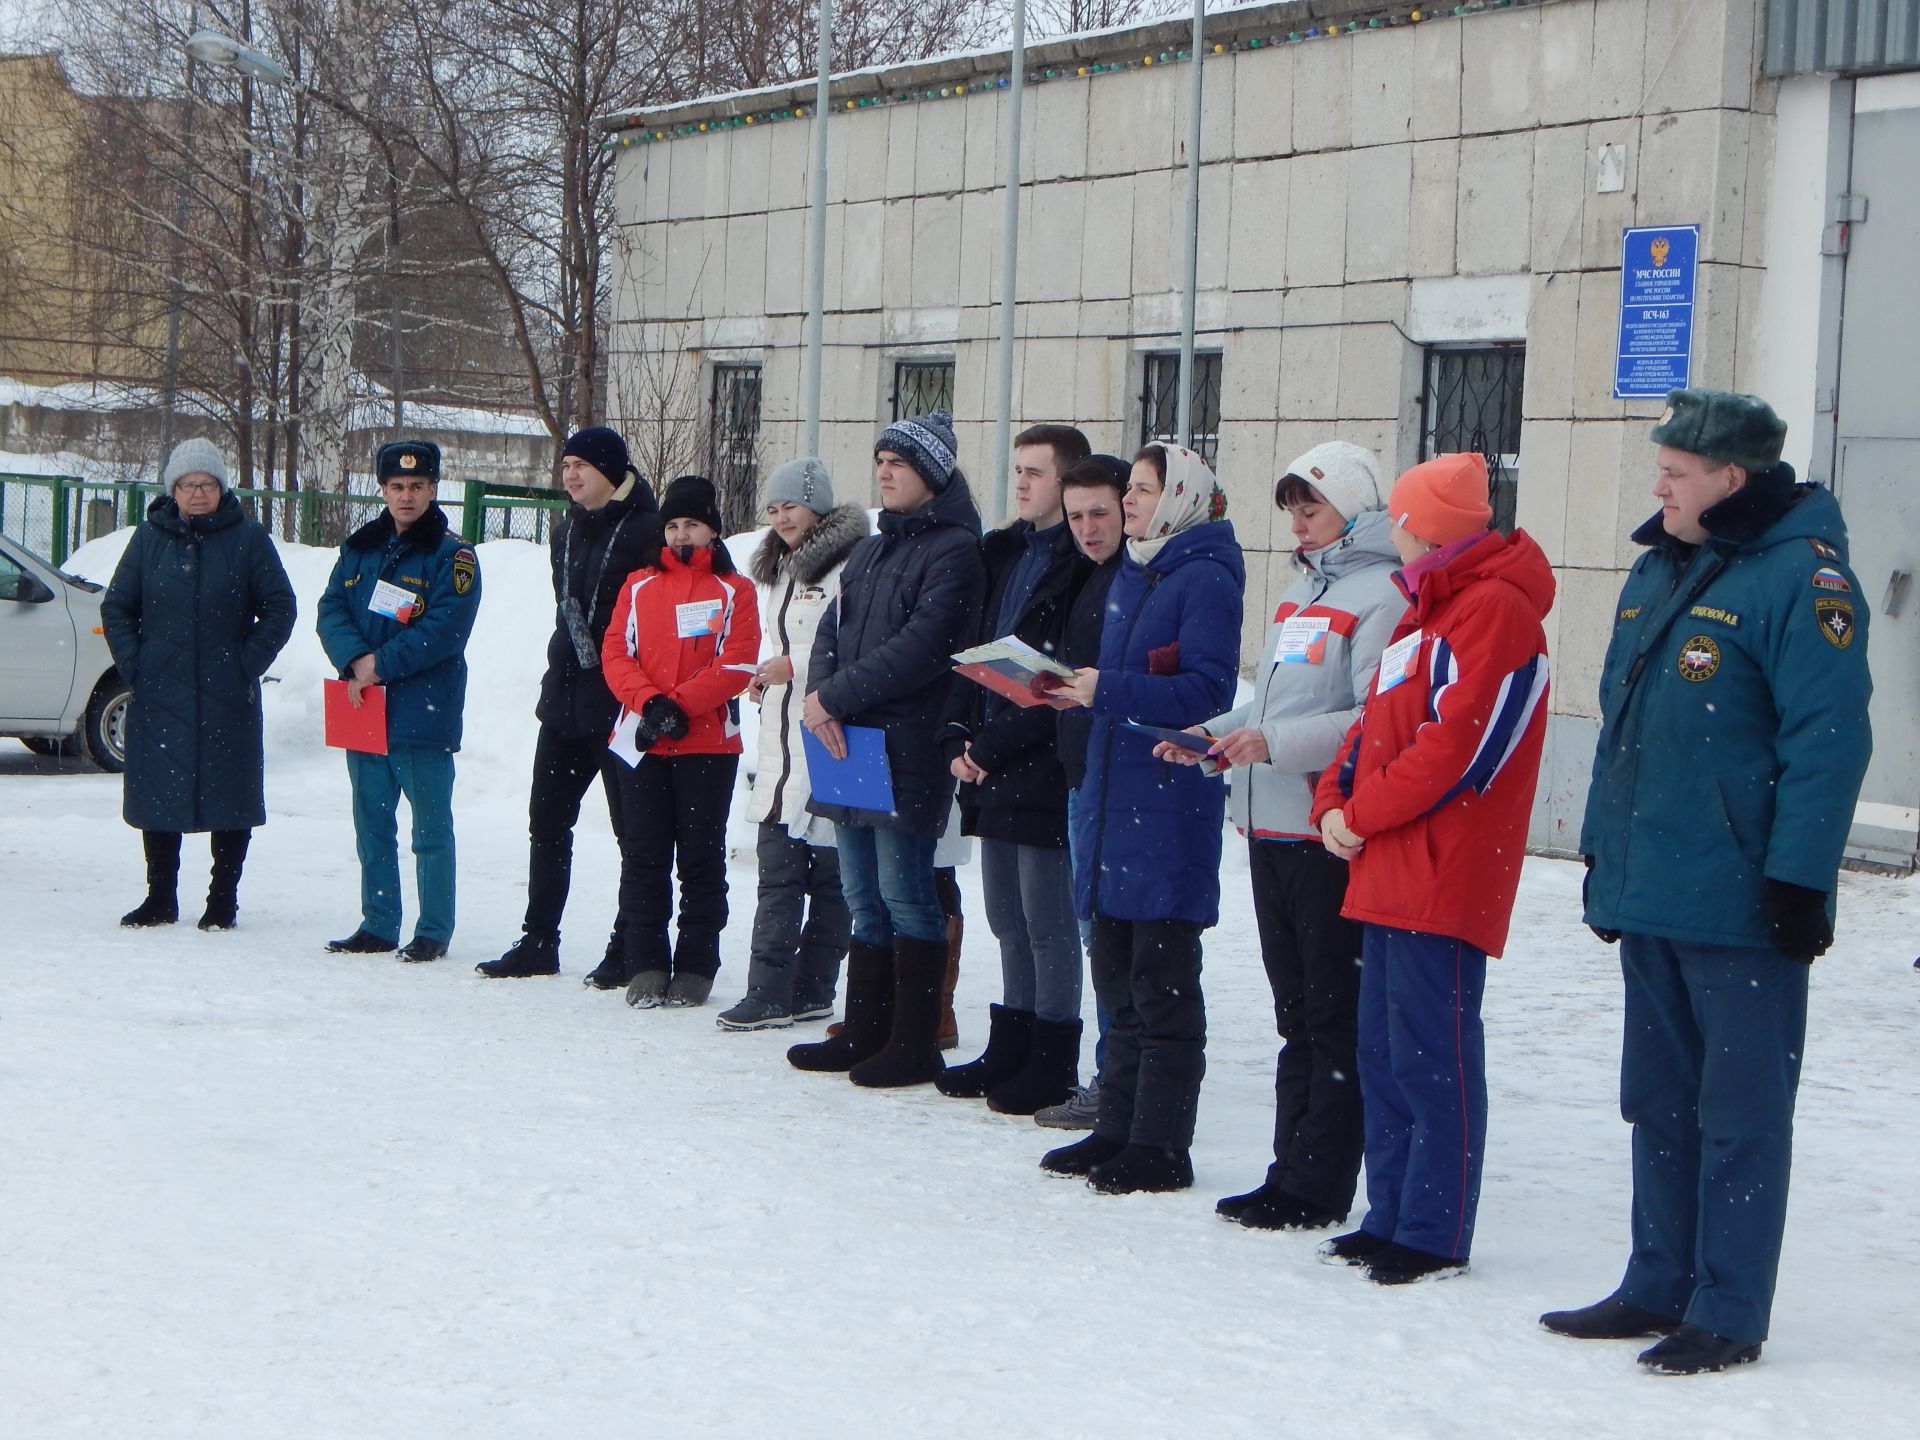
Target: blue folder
{"points": [[862, 780]]}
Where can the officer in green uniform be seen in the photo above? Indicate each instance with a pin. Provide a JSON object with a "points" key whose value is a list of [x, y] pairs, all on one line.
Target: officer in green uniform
{"points": [[396, 613], [1733, 741]]}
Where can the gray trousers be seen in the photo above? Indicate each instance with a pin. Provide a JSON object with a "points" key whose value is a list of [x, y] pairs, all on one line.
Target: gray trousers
{"points": [[801, 924], [1029, 893]]}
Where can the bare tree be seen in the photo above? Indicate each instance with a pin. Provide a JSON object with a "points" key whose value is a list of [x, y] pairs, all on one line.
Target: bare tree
{"points": [[1077, 17]]}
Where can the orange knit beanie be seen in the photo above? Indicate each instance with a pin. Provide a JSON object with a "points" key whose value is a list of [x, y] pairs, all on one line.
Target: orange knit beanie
{"points": [[1442, 499]]}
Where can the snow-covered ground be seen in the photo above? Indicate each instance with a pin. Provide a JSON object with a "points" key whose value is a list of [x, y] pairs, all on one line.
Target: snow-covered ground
{"points": [[250, 1189]]}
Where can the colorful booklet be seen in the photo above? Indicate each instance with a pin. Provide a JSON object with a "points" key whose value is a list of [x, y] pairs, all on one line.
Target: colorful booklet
{"points": [[363, 729], [1012, 668]]}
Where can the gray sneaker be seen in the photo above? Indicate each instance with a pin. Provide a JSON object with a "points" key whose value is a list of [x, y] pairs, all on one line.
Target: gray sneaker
{"points": [[1078, 1111], [755, 1013]]}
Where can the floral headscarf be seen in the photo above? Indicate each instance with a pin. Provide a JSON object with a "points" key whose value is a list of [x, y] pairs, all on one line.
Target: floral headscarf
{"points": [[1192, 496]]}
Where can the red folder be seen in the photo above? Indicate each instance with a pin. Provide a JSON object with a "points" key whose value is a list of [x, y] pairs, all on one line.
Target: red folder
{"points": [[364, 729]]}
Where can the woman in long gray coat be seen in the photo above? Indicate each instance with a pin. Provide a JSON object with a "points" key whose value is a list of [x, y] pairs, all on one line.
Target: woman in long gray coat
{"points": [[198, 608]]}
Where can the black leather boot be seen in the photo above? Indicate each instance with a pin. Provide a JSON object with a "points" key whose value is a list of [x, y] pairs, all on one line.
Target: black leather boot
{"points": [[162, 905], [223, 895]]}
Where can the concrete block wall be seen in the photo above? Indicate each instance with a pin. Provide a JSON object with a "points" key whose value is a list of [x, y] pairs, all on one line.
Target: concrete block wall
{"points": [[1345, 183]]}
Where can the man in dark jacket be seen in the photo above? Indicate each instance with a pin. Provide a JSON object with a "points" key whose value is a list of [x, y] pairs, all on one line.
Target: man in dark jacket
{"points": [[1091, 499], [396, 613], [611, 529], [1013, 796], [1733, 740], [909, 597]]}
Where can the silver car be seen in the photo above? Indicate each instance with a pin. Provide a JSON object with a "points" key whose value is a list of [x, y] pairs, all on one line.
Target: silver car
{"points": [[59, 690]]}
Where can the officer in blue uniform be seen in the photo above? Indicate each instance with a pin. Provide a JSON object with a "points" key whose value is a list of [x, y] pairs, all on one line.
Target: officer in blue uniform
{"points": [[396, 613], [1733, 741]]}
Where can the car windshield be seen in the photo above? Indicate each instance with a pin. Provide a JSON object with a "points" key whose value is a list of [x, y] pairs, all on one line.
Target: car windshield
{"points": [[77, 581]]}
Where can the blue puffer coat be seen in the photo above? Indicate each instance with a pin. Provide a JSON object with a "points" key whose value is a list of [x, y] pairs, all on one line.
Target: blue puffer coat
{"points": [[422, 662], [883, 656], [1148, 833], [1734, 729], [196, 612]]}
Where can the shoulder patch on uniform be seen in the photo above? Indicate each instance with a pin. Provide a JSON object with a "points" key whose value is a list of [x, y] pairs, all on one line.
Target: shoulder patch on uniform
{"points": [[1713, 612], [1828, 578], [1835, 618], [1631, 612], [1822, 549], [465, 567], [1699, 658]]}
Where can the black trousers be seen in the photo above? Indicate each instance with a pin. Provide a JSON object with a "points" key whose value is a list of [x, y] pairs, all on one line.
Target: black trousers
{"points": [[1147, 974], [563, 768], [674, 811], [1312, 958]]}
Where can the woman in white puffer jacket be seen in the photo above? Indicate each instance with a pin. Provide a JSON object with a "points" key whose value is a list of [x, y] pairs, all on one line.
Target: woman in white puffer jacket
{"points": [[801, 924], [1321, 651]]}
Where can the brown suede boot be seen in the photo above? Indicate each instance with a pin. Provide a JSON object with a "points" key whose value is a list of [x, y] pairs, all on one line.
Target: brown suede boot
{"points": [[949, 1034]]}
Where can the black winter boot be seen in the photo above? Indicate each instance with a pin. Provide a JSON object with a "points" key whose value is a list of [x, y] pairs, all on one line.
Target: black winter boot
{"points": [[1142, 1167], [869, 1014], [1272, 1208], [1009, 1038], [912, 1053], [1050, 1074], [1691, 1350], [162, 905], [1079, 1158], [223, 895], [612, 972], [1608, 1319], [537, 952]]}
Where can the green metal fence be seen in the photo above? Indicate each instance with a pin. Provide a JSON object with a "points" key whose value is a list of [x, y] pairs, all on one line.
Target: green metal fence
{"points": [[57, 514]]}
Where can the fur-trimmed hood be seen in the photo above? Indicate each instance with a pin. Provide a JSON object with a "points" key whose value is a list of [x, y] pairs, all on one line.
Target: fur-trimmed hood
{"points": [[830, 541]]}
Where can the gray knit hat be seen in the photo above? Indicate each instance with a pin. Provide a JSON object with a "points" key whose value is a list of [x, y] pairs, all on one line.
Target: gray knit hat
{"points": [[803, 482], [194, 457]]}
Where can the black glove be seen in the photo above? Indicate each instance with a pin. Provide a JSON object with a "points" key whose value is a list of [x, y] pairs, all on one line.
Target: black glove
{"points": [[1606, 937], [1797, 924], [643, 733], [666, 720]]}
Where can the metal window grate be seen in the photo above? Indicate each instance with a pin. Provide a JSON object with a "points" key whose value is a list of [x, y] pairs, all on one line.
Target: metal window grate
{"points": [[1471, 401], [920, 386], [734, 444], [1160, 401]]}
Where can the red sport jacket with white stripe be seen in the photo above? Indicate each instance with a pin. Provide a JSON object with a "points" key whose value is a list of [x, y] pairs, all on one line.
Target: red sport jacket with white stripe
{"points": [[689, 630], [1437, 775]]}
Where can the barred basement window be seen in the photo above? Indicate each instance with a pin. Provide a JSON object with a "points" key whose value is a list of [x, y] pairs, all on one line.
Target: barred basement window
{"points": [[920, 386], [1471, 401], [734, 444], [1160, 401]]}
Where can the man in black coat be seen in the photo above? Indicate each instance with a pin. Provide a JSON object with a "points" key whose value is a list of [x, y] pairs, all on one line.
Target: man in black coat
{"points": [[1013, 796], [909, 597], [611, 529]]}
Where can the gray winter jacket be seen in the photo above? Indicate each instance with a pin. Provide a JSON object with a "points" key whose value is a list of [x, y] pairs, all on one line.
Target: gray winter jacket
{"points": [[1313, 676]]}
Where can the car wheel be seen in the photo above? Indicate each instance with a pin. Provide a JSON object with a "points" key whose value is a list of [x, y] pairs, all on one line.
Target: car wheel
{"points": [[106, 725]]}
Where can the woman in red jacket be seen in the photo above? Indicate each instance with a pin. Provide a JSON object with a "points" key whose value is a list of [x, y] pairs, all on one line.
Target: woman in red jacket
{"points": [[1429, 798], [684, 640]]}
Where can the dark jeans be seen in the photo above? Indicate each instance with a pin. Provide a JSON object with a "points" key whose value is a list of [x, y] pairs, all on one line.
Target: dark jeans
{"points": [[1029, 895], [1147, 973], [888, 881], [1708, 1075], [563, 768], [1312, 957], [674, 817], [1423, 1071], [801, 924], [1100, 1016]]}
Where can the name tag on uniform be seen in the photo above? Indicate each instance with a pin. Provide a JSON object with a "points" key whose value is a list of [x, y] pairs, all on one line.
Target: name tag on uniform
{"points": [[1397, 662], [1303, 640], [696, 618], [393, 602]]}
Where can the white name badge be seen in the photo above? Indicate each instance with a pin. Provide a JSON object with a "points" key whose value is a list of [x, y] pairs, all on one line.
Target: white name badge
{"points": [[696, 618], [1397, 662], [393, 602], [1303, 640]]}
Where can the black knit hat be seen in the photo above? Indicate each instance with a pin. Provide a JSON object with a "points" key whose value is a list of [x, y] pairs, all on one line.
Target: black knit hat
{"points": [[691, 497], [415, 459], [603, 449]]}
